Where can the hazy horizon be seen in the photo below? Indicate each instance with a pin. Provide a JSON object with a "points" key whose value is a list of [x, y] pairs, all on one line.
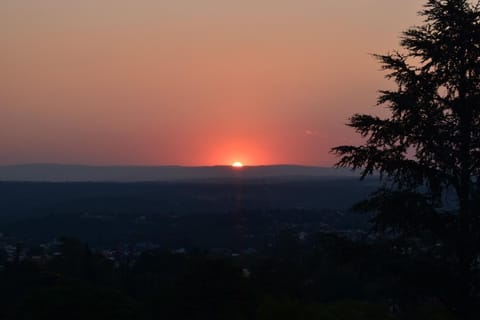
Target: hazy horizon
{"points": [[66, 164], [85, 173]]}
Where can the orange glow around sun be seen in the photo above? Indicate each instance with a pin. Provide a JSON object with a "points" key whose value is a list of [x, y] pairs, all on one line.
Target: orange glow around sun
{"points": [[237, 164], [229, 149]]}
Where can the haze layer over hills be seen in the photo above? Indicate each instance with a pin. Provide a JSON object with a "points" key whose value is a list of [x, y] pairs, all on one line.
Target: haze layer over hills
{"points": [[80, 173]]}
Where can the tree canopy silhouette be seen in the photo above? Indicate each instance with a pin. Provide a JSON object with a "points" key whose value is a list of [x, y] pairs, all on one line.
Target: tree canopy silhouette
{"points": [[427, 150]]}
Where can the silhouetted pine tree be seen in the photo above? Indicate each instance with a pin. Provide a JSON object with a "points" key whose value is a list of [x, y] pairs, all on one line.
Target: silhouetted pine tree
{"points": [[428, 149]]}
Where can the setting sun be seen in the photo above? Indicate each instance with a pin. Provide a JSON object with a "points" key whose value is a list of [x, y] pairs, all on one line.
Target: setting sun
{"points": [[237, 164]]}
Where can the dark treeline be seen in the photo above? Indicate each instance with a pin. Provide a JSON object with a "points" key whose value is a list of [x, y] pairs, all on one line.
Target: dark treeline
{"points": [[323, 277]]}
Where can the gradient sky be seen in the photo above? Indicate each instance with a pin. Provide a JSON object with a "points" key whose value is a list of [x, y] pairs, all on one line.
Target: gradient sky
{"points": [[189, 82]]}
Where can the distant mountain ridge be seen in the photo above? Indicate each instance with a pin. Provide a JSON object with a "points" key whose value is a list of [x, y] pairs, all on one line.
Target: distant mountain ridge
{"points": [[84, 173]]}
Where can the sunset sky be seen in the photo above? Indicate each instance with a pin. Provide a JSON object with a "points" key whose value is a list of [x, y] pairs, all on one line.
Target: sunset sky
{"points": [[189, 82]]}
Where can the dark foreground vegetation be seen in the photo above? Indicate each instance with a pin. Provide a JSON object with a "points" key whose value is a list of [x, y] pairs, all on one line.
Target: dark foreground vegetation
{"points": [[428, 148], [321, 277]]}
